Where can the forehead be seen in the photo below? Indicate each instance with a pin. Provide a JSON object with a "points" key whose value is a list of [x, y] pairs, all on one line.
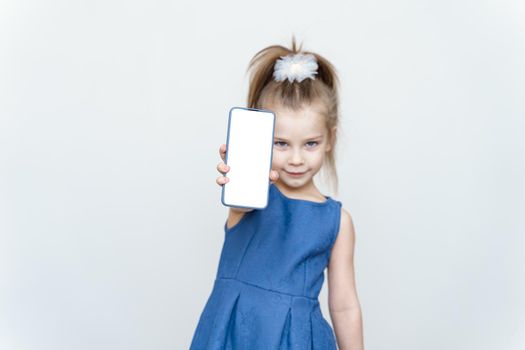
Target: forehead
{"points": [[298, 123]]}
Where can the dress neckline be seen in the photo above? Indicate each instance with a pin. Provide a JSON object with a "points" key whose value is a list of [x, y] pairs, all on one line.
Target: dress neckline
{"points": [[328, 198]]}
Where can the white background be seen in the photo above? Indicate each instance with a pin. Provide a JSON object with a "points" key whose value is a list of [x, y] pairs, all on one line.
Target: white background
{"points": [[111, 115]]}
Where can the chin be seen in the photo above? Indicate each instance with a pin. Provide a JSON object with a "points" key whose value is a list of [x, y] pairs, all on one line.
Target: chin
{"points": [[299, 182]]}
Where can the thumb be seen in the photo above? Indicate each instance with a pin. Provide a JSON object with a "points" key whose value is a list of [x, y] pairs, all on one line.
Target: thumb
{"points": [[274, 175]]}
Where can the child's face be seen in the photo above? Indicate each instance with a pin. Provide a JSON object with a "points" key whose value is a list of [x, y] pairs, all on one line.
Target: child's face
{"points": [[300, 144]]}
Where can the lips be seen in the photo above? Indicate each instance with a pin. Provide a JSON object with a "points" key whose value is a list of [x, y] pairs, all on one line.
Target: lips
{"points": [[295, 174]]}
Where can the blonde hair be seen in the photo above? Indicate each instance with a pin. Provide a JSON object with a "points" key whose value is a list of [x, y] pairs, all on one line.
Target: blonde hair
{"points": [[324, 89]]}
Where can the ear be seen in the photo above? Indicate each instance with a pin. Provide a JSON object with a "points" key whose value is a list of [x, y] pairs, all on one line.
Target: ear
{"points": [[331, 138]]}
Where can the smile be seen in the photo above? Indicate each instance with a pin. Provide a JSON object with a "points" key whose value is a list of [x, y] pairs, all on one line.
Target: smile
{"points": [[295, 174]]}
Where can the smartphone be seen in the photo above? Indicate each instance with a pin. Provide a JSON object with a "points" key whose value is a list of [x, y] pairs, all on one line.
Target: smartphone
{"points": [[249, 151]]}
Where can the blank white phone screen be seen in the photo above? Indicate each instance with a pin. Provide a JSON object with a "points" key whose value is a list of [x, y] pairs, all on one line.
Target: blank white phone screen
{"points": [[249, 149]]}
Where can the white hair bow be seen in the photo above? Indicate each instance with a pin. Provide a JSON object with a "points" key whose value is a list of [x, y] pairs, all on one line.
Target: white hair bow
{"points": [[295, 67]]}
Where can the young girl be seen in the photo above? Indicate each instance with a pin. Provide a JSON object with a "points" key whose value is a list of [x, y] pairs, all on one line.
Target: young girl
{"points": [[272, 263]]}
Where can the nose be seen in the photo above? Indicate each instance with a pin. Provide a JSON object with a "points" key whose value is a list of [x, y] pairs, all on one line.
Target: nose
{"points": [[296, 158]]}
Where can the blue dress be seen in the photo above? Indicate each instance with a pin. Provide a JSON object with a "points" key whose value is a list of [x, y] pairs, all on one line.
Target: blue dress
{"points": [[270, 273]]}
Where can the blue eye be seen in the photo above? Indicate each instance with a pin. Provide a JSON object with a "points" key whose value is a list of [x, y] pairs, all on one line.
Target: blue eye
{"points": [[315, 142]]}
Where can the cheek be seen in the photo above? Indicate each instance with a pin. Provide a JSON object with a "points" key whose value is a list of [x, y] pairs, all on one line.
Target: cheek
{"points": [[275, 161], [317, 158]]}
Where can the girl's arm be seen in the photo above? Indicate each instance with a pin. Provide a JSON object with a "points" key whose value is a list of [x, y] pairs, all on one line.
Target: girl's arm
{"points": [[235, 215], [343, 303]]}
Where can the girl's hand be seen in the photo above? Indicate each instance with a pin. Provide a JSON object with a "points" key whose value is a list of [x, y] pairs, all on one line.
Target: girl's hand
{"points": [[224, 168]]}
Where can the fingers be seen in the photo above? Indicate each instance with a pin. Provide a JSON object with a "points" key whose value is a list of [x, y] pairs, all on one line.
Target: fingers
{"points": [[274, 175], [221, 180], [223, 169], [222, 151]]}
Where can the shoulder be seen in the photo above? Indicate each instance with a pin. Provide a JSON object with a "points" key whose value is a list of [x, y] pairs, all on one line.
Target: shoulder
{"points": [[342, 293], [345, 224], [345, 221], [343, 246]]}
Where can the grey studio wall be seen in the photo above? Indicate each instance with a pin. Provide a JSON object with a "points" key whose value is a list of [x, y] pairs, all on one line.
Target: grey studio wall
{"points": [[111, 115]]}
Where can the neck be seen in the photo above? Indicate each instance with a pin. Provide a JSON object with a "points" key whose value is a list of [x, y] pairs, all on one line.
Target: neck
{"points": [[307, 190]]}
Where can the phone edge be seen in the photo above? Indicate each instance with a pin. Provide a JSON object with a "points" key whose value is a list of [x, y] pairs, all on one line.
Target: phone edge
{"points": [[271, 155]]}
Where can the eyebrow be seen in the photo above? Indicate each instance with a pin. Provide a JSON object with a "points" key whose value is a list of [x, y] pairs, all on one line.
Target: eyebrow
{"points": [[307, 139]]}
